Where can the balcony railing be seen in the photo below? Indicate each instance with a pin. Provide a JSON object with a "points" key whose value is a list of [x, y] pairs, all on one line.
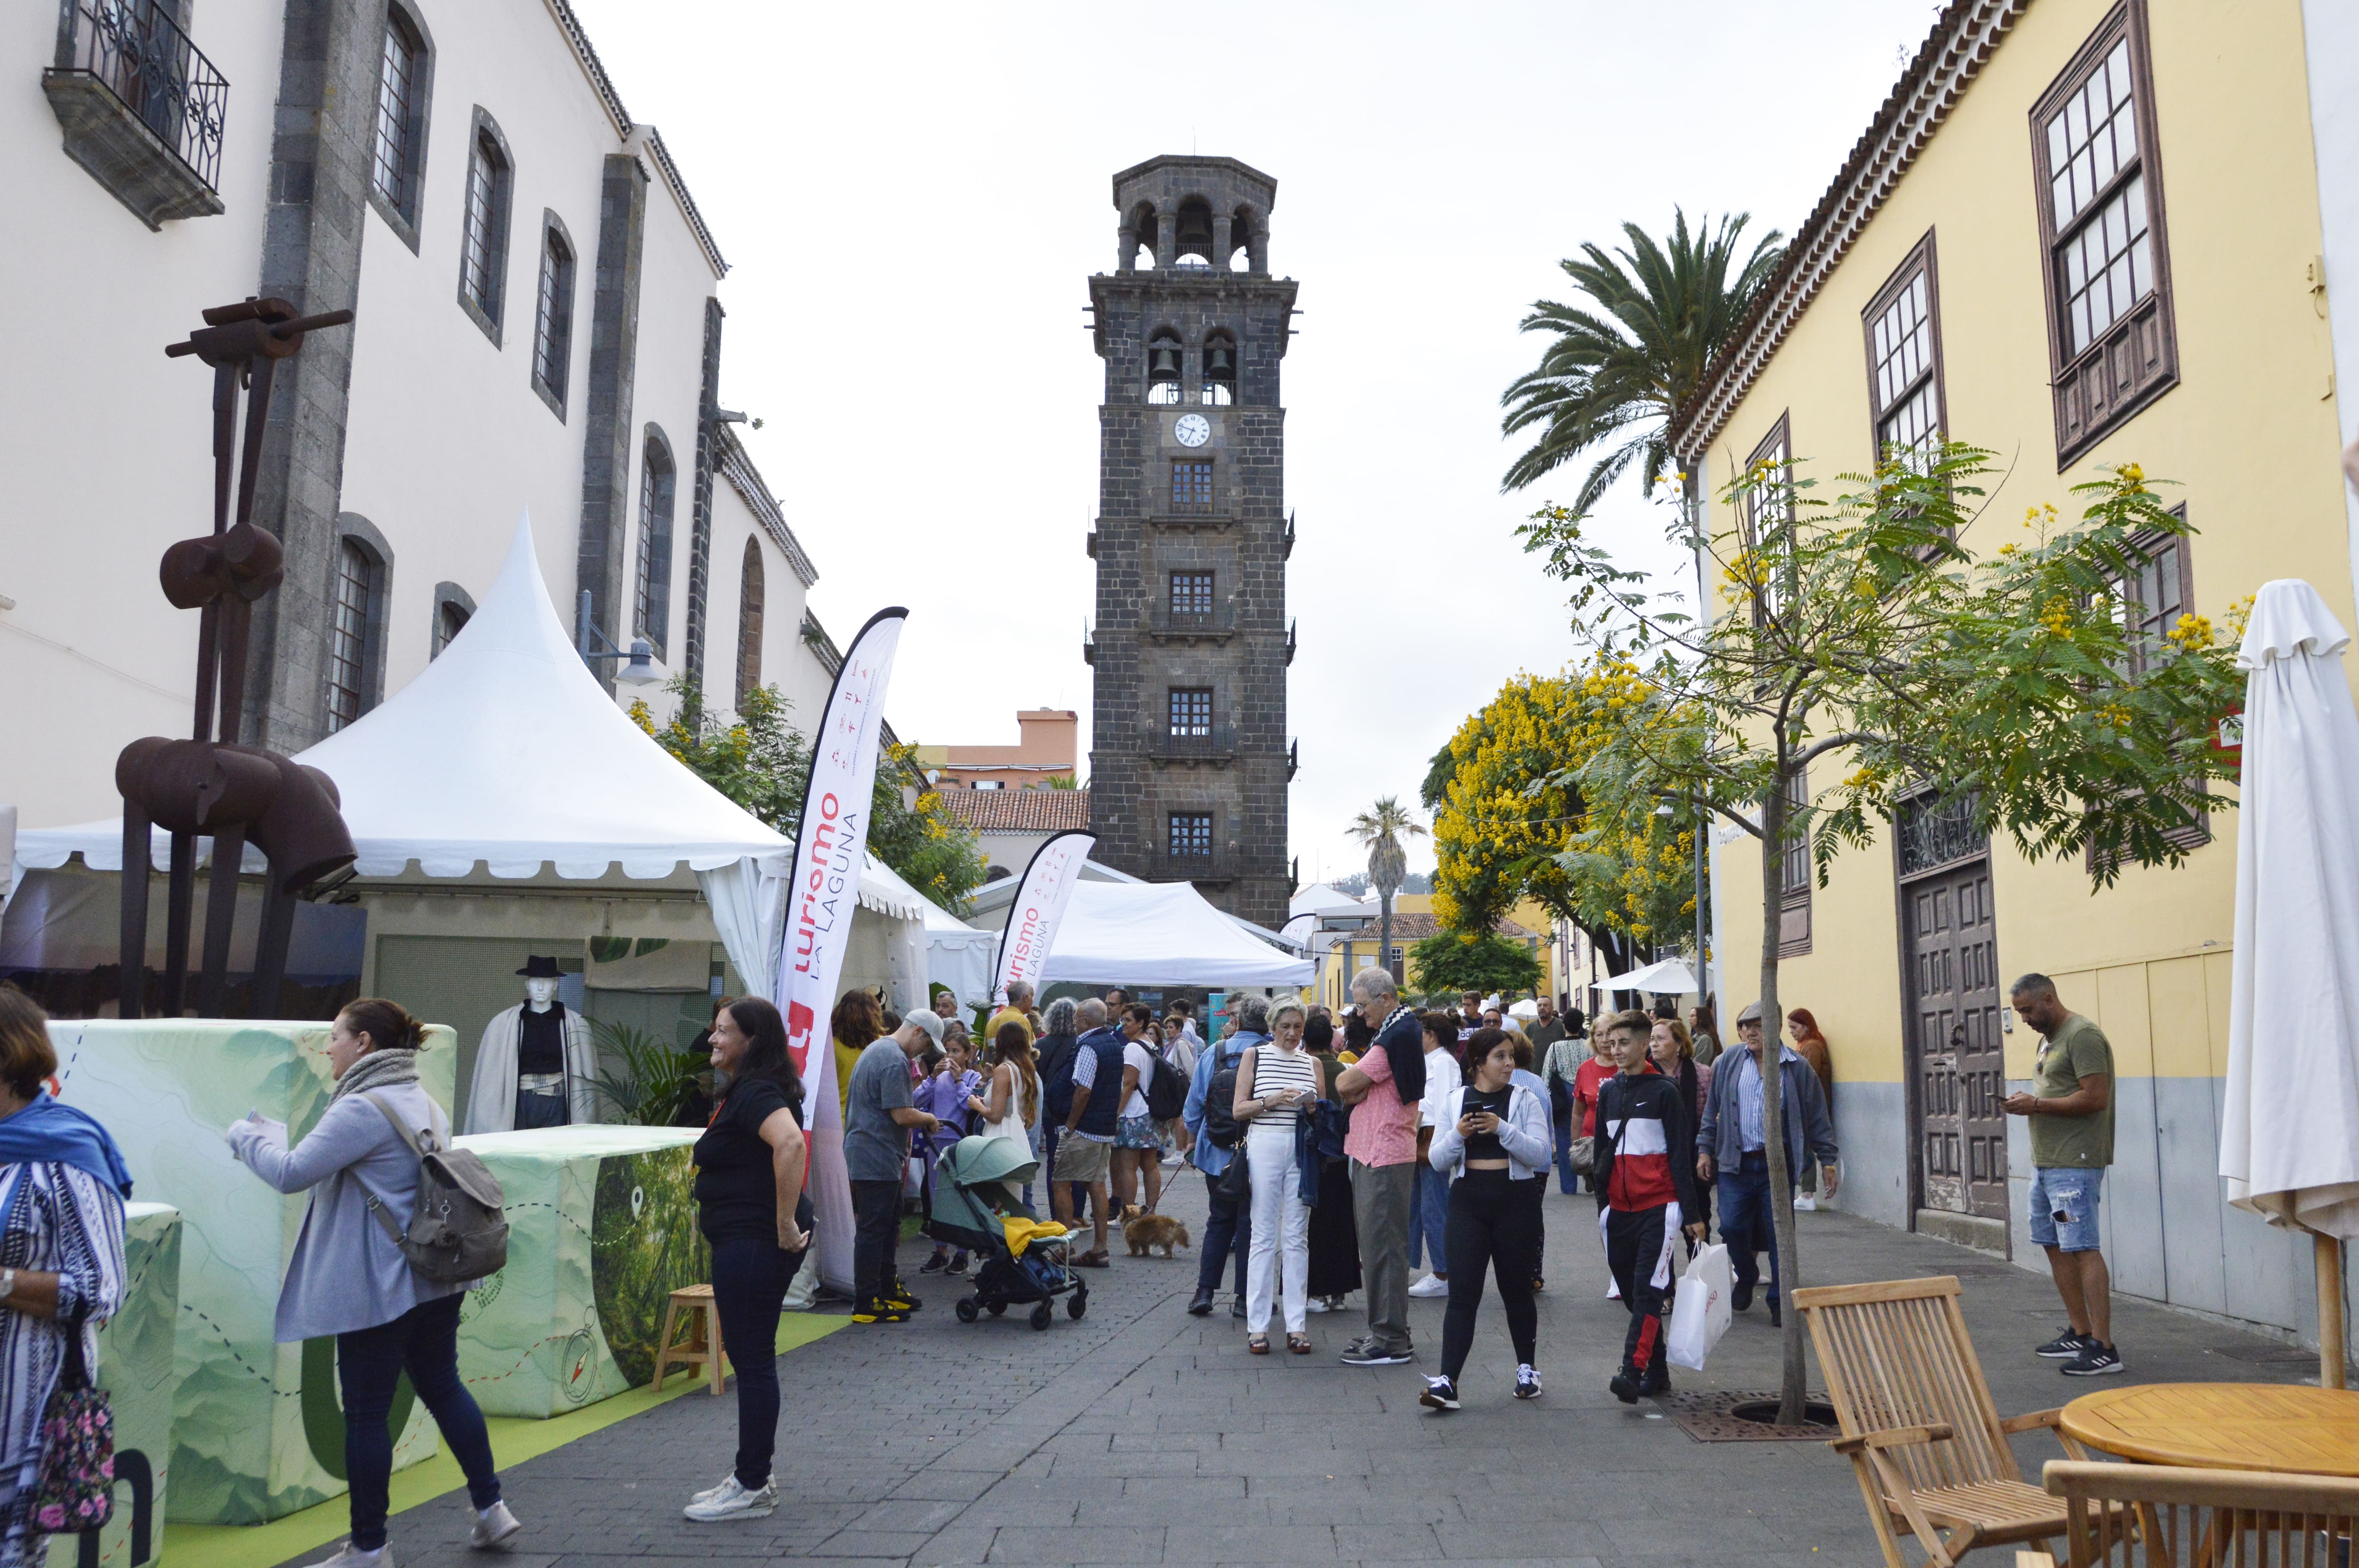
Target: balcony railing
{"points": [[1191, 741], [1221, 866], [138, 53], [1216, 621]]}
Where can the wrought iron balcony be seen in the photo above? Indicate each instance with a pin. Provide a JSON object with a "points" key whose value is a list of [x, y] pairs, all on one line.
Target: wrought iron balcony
{"points": [[142, 107], [1286, 540], [1218, 622], [1089, 646], [1221, 866], [1289, 641], [1191, 742], [1293, 760]]}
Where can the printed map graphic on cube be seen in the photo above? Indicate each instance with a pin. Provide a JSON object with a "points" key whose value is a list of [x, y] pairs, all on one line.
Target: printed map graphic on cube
{"points": [[256, 1427]]}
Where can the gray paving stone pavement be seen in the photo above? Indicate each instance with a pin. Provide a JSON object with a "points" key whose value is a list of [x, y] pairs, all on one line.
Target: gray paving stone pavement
{"points": [[1141, 1435]]}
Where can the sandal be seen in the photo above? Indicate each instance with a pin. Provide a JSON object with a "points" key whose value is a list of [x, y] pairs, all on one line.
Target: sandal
{"points": [[1092, 1261], [1298, 1343], [1257, 1343]]}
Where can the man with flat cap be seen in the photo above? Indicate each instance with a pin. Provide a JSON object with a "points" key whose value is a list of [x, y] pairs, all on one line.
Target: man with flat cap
{"points": [[1731, 1143], [536, 1066]]}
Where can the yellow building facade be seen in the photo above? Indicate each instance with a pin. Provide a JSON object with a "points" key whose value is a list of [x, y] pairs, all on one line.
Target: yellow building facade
{"points": [[2079, 234]]}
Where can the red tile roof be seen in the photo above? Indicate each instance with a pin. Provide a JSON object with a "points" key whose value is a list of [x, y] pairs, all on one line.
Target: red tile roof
{"points": [[1019, 810]]}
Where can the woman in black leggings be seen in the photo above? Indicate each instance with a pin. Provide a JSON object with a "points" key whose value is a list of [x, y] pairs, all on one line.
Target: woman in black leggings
{"points": [[1493, 1136]]}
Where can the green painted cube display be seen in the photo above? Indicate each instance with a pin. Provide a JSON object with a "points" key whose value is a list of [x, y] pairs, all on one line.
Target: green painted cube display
{"points": [[135, 1368], [601, 1229], [256, 1427]]}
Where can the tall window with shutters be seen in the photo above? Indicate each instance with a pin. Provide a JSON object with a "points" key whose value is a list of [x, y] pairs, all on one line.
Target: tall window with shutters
{"points": [[398, 159], [1904, 358], [1794, 903], [483, 241], [552, 336], [651, 597], [2112, 345]]}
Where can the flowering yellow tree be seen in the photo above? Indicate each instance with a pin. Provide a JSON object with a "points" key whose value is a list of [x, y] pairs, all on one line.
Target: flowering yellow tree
{"points": [[1510, 823]]}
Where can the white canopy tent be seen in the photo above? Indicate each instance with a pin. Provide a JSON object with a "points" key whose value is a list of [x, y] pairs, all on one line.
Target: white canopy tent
{"points": [[2293, 1010], [1162, 933], [505, 760], [1670, 977]]}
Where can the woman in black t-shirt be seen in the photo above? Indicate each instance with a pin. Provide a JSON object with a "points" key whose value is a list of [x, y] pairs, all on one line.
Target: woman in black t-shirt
{"points": [[751, 1206]]}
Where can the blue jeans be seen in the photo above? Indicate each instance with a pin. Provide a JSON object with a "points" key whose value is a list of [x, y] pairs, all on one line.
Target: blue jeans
{"points": [[1567, 1179], [1747, 1223], [749, 1282], [1228, 1229], [423, 1341], [2063, 1205], [1429, 1221]]}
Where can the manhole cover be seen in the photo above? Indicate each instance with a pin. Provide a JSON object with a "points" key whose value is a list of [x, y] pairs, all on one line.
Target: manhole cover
{"points": [[1747, 1417]]}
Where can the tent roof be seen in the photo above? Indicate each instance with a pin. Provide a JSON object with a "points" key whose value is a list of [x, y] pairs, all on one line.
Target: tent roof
{"points": [[1162, 934], [1324, 898], [504, 750], [1670, 977]]}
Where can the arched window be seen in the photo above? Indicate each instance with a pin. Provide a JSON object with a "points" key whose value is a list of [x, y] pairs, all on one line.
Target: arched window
{"points": [[552, 336], [1163, 364], [651, 605], [749, 623], [483, 249], [404, 90], [1220, 369], [1139, 235], [1193, 233], [361, 583], [1245, 243], [453, 608]]}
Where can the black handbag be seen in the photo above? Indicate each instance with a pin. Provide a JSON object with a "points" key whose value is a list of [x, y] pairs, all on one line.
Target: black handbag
{"points": [[1233, 1185]]}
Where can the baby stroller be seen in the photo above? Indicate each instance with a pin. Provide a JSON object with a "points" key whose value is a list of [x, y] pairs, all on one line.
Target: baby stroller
{"points": [[971, 1196]]}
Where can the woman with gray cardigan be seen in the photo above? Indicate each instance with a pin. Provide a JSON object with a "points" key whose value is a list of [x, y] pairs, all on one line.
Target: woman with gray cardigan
{"points": [[349, 1279]]}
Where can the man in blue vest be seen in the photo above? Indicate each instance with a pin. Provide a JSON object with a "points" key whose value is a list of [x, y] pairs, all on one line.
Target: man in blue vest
{"points": [[1228, 1227], [1085, 1151]]}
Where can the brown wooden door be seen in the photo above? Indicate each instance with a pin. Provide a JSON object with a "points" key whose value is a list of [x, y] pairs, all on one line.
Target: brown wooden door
{"points": [[1955, 1047]]}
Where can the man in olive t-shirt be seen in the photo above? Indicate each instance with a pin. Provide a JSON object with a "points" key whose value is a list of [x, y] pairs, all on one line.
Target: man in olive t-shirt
{"points": [[2070, 1108]]}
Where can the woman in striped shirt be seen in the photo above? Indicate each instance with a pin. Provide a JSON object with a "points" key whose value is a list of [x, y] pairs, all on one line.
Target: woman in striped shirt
{"points": [[1276, 1085]]}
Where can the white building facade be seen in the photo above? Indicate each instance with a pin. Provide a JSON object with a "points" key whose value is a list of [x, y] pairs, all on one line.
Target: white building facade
{"points": [[537, 329]]}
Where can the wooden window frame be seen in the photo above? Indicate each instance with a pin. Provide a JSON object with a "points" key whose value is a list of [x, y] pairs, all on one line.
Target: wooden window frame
{"points": [[1210, 502], [1193, 607], [1794, 897], [2101, 387], [1193, 727], [408, 120], [1780, 438], [2196, 834], [1921, 261], [552, 329], [1171, 850]]}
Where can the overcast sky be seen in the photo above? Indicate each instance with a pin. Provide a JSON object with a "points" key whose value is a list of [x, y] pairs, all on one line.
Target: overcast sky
{"points": [[912, 199]]}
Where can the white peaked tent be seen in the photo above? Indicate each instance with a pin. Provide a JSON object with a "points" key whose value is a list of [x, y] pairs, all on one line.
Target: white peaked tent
{"points": [[1162, 934], [505, 757], [1668, 977]]}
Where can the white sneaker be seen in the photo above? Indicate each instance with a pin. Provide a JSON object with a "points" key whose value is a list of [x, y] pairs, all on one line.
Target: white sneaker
{"points": [[1613, 1289], [1316, 1304], [728, 1479], [732, 1500], [1805, 1204], [1430, 1286], [350, 1556], [492, 1527]]}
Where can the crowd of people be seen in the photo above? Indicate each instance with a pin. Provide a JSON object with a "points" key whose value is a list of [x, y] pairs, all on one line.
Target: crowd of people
{"points": [[1335, 1153]]}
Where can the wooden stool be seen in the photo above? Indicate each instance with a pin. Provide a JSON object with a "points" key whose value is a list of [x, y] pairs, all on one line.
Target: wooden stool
{"points": [[702, 1347]]}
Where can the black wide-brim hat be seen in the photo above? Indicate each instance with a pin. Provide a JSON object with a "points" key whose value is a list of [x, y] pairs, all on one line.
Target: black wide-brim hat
{"points": [[540, 969]]}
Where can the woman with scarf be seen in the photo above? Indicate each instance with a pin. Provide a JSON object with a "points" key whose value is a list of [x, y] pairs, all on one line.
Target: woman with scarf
{"points": [[348, 1279], [61, 1189], [1812, 1045]]}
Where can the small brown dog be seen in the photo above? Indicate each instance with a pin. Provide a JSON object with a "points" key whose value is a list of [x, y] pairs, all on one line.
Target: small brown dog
{"points": [[1144, 1230]]}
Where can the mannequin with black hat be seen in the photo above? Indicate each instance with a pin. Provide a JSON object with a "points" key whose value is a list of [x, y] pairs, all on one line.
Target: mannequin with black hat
{"points": [[536, 1066]]}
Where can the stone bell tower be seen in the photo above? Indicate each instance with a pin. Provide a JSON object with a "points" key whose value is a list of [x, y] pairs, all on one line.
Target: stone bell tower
{"points": [[1188, 756]]}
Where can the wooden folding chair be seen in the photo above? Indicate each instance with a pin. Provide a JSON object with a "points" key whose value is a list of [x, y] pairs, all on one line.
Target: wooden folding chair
{"points": [[1926, 1442], [2199, 1518]]}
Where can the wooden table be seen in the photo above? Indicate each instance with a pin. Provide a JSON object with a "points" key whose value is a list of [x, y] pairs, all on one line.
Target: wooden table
{"points": [[2284, 1427]]}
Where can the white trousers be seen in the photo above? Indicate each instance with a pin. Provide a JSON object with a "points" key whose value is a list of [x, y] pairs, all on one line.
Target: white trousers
{"points": [[1281, 1229]]}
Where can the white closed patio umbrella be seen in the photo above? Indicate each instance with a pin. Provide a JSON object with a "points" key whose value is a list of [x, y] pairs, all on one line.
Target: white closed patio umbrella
{"points": [[2289, 1136]]}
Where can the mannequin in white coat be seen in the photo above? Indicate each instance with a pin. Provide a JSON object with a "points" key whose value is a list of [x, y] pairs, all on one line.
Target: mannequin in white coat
{"points": [[536, 1066]]}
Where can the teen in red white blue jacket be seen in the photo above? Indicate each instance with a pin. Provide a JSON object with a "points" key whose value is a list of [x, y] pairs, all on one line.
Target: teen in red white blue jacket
{"points": [[1644, 1195]]}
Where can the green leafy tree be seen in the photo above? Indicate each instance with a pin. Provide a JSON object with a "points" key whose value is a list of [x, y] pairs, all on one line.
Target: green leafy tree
{"points": [[1454, 961], [763, 763], [1659, 315], [2016, 682]]}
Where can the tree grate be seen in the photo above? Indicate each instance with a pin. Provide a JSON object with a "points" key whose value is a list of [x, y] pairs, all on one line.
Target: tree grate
{"points": [[1712, 1418]]}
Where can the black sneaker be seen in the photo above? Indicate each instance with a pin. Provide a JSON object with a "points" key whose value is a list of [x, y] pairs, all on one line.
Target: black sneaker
{"points": [[879, 1312], [2095, 1361], [959, 1263], [1202, 1305], [898, 1294], [1527, 1382], [1237, 1307], [934, 1265], [1441, 1394], [1741, 1298], [2066, 1347], [1372, 1355], [1658, 1379], [1624, 1386]]}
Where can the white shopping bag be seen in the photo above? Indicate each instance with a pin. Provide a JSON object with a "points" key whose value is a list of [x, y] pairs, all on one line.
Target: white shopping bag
{"points": [[1700, 1313]]}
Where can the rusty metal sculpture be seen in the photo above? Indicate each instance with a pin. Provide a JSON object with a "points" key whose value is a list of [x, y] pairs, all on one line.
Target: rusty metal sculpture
{"points": [[216, 787]]}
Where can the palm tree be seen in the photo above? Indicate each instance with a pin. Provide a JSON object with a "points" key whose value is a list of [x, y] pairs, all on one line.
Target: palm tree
{"points": [[1380, 828], [1664, 313]]}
